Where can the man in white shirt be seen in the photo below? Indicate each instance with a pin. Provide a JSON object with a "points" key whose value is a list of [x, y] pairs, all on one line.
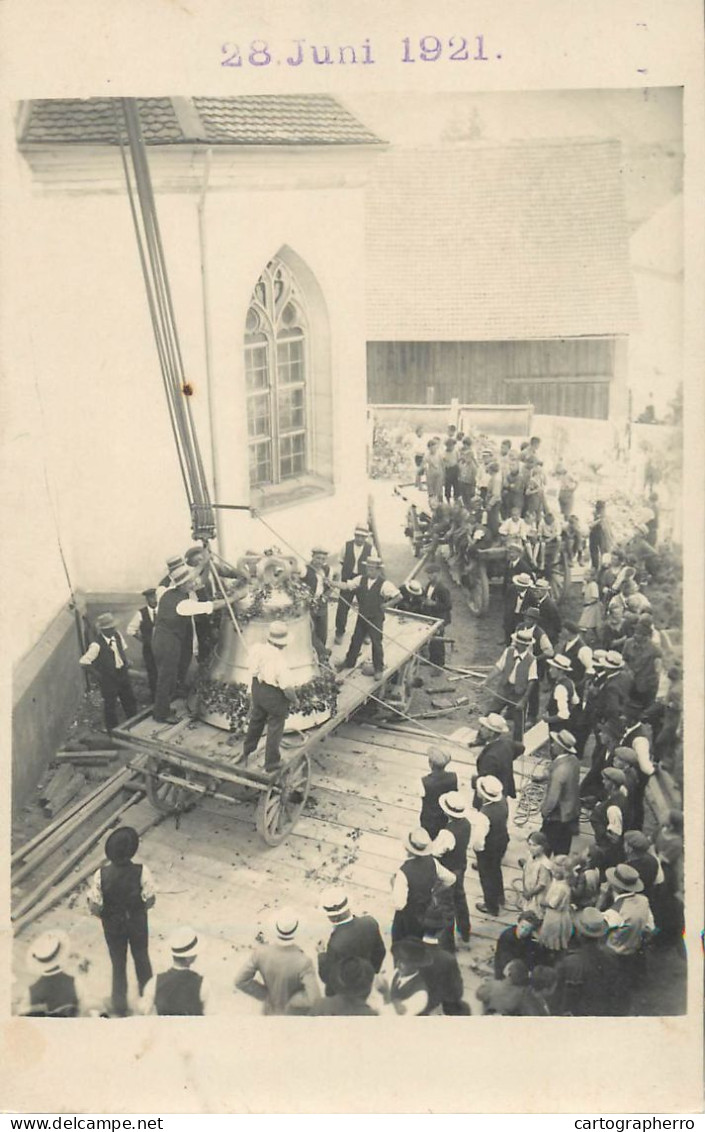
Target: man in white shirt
{"points": [[141, 627], [107, 655], [373, 593], [273, 694]]}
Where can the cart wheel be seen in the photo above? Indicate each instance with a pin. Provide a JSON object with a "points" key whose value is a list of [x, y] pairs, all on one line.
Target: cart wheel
{"points": [[280, 805], [561, 578], [477, 591], [166, 796], [398, 691]]}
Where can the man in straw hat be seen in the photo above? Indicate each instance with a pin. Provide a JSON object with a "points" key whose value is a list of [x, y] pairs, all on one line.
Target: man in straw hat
{"points": [[499, 752], [517, 598], [450, 847], [489, 842], [287, 982], [273, 694], [121, 893], [515, 675], [107, 656], [53, 994], [412, 600], [588, 978], [357, 936], [414, 883], [630, 923], [373, 593], [352, 559], [173, 636], [563, 701], [180, 990], [560, 808]]}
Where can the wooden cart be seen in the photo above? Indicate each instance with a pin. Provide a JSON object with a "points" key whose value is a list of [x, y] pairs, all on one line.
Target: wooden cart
{"points": [[192, 759]]}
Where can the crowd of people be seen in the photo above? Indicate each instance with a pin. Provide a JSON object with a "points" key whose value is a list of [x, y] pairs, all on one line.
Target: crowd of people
{"points": [[590, 909]]}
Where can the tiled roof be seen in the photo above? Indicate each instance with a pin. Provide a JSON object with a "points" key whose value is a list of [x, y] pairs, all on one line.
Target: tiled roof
{"points": [[487, 243], [92, 120], [310, 119]]}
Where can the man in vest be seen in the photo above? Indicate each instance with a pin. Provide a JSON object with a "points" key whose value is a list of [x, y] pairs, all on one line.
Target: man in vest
{"points": [[518, 674], [439, 781], [373, 593], [438, 604], [287, 982], [579, 654], [173, 633], [316, 579], [450, 847], [517, 598], [542, 649], [638, 736], [560, 808], [54, 993], [121, 893], [141, 627], [563, 701], [272, 695], [351, 936], [413, 885], [355, 553], [108, 657], [608, 817], [489, 842], [180, 990]]}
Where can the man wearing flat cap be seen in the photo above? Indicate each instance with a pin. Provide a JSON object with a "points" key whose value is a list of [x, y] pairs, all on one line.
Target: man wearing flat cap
{"points": [[608, 817], [107, 656], [351, 936], [560, 808], [121, 893], [180, 991], [141, 627], [316, 579]]}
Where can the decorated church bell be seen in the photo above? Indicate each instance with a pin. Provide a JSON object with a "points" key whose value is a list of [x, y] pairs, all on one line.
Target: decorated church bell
{"points": [[269, 588]]}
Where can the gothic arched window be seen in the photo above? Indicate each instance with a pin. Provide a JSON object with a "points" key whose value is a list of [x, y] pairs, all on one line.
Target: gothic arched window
{"points": [[275, 370]]}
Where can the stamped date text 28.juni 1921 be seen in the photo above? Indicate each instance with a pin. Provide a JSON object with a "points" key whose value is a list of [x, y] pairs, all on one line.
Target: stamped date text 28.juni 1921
{"points": [[424, 49]]}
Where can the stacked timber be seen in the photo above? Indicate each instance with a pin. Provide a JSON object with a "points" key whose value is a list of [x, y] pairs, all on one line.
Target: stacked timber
{"points": [[60, 789]]}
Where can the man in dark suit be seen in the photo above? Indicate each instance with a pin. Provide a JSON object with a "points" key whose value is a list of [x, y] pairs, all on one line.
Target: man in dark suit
{"points": [[357, 936], [437, 603], [549, 617], [498, 754], [517, 598], [560, 808], [316, 579]]}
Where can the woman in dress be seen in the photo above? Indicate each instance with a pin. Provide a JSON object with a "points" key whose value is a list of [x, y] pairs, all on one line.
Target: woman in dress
{"points": [[557, 927], [536, 876], [591, 617]]}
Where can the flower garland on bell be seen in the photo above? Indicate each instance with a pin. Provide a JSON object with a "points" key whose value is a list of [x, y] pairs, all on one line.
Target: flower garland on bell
{"points": [[294, 588], [233, 700]]}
